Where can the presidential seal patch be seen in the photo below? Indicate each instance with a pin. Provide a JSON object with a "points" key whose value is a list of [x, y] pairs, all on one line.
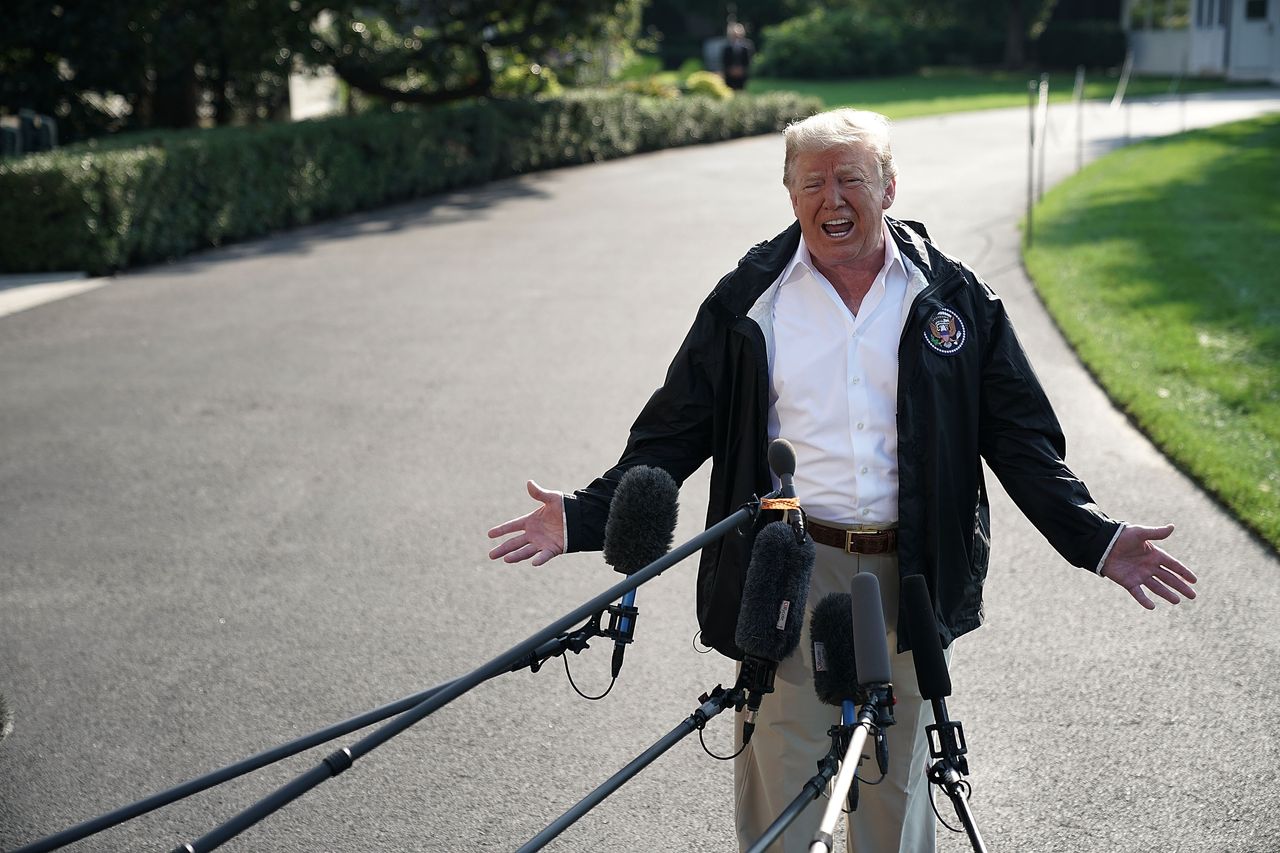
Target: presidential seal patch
{"points": [[945, 332]]}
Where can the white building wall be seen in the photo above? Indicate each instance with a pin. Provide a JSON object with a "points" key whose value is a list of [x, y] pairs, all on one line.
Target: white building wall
{"points": [[1160, 51]]}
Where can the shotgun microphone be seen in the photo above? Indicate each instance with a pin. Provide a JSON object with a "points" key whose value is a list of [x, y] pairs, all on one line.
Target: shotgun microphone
{"points": [[946, 736], [926, 646], [639, 530], [772, 612]]}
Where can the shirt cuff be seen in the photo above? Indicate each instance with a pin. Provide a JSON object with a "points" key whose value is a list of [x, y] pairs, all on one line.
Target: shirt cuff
{"points": [[564, 525], [1107, 553]]}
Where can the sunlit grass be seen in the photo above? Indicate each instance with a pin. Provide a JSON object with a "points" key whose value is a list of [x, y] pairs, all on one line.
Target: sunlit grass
{"points": [[945, 90], [1161, 263]]}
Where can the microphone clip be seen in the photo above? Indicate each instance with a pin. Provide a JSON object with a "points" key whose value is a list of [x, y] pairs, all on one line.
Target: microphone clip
{"points": [[622, 623], [947, 743]]}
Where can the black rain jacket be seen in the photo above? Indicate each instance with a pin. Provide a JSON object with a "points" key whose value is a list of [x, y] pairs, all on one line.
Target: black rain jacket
{"points": [[981, 401]]}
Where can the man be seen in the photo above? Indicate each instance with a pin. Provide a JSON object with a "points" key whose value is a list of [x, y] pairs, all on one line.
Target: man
{"points": [[735, 57], [893, 370]]}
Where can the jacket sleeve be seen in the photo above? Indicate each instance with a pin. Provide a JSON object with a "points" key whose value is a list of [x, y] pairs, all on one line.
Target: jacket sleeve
{"points": [[1020, 438], [672, 432]]}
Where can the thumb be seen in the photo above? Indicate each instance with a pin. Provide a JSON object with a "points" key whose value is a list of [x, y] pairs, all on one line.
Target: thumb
{"points": [[1153, 532], [540, 494]]}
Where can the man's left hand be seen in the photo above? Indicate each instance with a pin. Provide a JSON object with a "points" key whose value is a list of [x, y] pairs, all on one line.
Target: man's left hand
{"points": [[1139, 565]]}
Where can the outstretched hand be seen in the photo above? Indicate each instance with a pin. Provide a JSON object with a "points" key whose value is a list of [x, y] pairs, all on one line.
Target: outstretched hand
{"points": [[1139, 565], [540, 534]]}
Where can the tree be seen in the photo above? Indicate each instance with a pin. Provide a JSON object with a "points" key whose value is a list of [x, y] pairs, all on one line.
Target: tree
{"points": [[431, 51], [104, 65]]}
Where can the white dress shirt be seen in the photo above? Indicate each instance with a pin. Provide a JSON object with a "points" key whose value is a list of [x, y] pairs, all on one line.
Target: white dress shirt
{"points": [[834, 388]]}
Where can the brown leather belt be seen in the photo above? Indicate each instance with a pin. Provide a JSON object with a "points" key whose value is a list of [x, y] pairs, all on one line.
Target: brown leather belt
{"points": [[859, 540]]}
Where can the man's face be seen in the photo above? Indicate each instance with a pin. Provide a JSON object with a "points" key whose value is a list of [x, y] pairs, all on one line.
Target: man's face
{"points": [[840, 200]]}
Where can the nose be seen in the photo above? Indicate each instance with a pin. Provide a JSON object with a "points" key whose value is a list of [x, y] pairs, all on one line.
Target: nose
{"points": [[834, 199]]}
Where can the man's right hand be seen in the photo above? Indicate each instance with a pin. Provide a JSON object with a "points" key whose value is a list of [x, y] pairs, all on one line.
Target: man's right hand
{"points": [[539, 535]]}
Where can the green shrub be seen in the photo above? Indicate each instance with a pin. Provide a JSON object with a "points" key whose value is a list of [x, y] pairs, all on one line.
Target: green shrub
{"points": [[708, 83], [105, 207], [1093, 44], [836, 43]]}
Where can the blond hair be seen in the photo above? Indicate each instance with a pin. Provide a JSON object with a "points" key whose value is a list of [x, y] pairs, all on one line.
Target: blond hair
{"points": [[836, 129]]}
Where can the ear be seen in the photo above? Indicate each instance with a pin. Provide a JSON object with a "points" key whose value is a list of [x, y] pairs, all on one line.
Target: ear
{"points": [[795, 203], [890, 192]]}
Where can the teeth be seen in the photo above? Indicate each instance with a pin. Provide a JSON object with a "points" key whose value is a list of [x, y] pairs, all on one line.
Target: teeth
{"points": [[833, 222]]}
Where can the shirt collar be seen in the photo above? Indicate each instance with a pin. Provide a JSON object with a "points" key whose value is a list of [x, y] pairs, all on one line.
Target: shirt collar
{"points": [[801, 262]]}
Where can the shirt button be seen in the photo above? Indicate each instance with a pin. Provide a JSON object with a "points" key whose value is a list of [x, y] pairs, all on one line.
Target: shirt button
{"points": [[856, 380], [859, 424], [866, 512], [864, 469]]}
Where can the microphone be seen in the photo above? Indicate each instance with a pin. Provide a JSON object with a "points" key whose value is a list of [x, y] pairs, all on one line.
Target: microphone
{"points": [[835, 670], [772, 612], [639, 530], [870, 643], [946, 737], [926, 647], [782, 461]]}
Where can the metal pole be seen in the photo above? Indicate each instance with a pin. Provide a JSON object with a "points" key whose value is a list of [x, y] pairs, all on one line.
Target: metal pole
{"points": [[1031, 158], [1044, 128], [1078, 96], [844, 779], [341, 760], [711, 707], [91, 827]]}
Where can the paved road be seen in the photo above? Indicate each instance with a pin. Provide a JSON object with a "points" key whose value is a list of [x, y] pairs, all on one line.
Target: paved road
{"points": [[244, 495]]}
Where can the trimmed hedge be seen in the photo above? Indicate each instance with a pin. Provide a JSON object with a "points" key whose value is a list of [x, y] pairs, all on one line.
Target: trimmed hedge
{"points": [[103, 208], [837, 43]]}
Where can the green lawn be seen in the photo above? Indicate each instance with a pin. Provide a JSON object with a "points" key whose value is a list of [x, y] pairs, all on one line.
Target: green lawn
{"points": [[945, 90], [1161, 263]]}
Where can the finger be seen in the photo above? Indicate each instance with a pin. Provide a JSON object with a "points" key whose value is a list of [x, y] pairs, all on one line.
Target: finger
{"points": [[1167, 577], [1163, 532], [544, 555], [1163, 591], [521, 554], [1140, 596], [505, 548], [511, 526], [1171, 563], [540, 494]]}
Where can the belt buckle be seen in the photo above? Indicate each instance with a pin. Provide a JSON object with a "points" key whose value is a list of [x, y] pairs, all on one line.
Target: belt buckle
{"points": [[859, 530]]}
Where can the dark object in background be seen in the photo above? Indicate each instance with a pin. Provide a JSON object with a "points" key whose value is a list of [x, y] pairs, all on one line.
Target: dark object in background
{"points": [[27, 133], [736, 56]]}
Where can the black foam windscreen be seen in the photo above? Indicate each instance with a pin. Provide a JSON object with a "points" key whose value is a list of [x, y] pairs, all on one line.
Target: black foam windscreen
{"points": [[642, 519], [835, 671], [926, 646], [775, 592], [782, 457], [870, 645]]}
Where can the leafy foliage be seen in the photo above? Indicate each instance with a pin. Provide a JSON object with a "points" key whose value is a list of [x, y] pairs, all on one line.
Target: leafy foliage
{"points": [[846, 42], [104, 207], [433, 51]]}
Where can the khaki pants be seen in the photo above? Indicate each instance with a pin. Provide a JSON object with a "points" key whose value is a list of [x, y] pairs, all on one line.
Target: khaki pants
{"points": [[791, 736]]}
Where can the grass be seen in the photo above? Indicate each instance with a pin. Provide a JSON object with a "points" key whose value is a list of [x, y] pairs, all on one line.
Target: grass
{"points": [[946, 90], [1161, 263]]}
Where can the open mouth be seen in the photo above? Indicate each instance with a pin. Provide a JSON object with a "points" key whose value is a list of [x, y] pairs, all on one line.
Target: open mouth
{"points": [[837, 227]]}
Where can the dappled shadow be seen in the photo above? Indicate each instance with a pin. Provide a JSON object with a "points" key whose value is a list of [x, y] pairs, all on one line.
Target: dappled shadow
{"points": [[1231, 293], [462, 205]]}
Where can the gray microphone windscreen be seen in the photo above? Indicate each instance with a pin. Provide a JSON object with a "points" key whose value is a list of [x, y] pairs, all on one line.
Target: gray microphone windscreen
{"points": [[835, 672], [775, 592], [642, 519], [870, 645], [926, 647]]}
